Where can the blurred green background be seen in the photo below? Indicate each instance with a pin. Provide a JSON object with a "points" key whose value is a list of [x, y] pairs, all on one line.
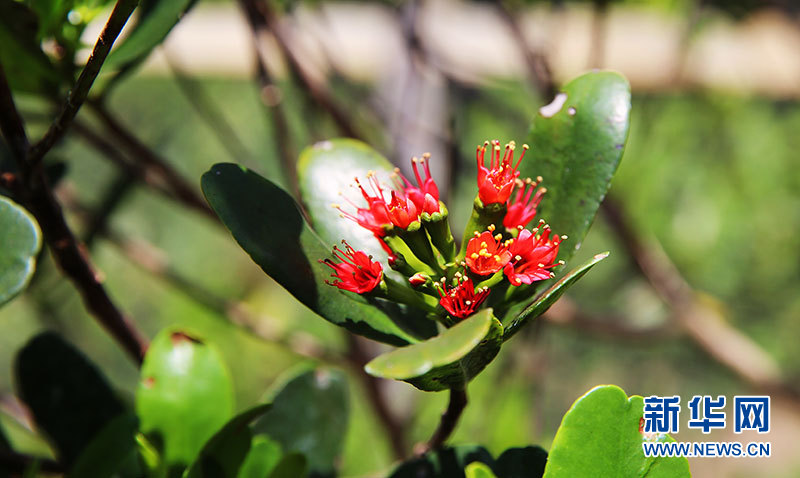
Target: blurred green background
{"points": [[710, 173]]}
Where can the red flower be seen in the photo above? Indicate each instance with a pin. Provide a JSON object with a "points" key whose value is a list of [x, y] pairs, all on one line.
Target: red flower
{"points": [[534, 255], [462, 301], [496, 183], [356, 272], [401, 211], [522, 209], [426, 196], [486, 254], [375, 216]]}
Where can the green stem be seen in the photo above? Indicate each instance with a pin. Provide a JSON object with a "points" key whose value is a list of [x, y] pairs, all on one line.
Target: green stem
{"points": [[480, 220]]}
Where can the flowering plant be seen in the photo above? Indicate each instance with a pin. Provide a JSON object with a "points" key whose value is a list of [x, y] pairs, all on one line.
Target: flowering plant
{"points": [[399, 275]]}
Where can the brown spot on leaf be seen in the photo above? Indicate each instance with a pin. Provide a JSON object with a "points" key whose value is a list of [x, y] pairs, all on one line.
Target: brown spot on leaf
{"points": [[181, 337]]}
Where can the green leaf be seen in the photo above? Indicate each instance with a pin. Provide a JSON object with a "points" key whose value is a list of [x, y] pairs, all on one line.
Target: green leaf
{"points": [[449, 360], [292, 465], [477, 469], [599, 436], [156, 19], [111, 450], [21, 240], [184, 396], [25, 64], [550, 296], [577, 149], [68, 397], [225, 453], [527, 462], [267, 224], [309, 416], [264, 457], [443, 463]]}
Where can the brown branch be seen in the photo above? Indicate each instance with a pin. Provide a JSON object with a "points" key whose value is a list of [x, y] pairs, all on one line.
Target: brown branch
{"points": [[703, 322], [67, 251], [449, 420], [79, 92], [18, 463], [395, 429]]}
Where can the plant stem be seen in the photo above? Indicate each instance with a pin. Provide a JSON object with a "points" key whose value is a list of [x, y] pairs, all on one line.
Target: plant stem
{"points": [[455, 407]]}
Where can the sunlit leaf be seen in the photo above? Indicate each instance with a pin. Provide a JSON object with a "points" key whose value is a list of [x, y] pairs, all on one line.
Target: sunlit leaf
{"points": [[21, 240], [185, 395], [576, 144], [600, 436], [477, 469], [451, 359]]}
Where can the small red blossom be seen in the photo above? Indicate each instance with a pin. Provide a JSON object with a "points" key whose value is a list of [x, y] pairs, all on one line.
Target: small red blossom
{"points": [[356, 272], [375, 216], [533, 256], [496, 183], [486, 254], [462, 300], [522, 208], [401, 211], [425, 195]]}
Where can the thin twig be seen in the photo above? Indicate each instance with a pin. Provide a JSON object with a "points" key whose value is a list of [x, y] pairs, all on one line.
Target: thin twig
{"points": [[119, 17], [449, 420], [67, 251], [395, 429]]}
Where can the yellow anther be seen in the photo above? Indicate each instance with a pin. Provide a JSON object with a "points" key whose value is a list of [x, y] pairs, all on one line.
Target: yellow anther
{"points": [[474, 255], [484, 245], [497, 237], [497, 258], [491, 228]]}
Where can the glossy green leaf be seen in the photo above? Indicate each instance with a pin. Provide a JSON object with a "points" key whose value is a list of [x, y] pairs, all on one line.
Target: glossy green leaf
{"points": [[25, 64], [68, 397], [225, 453], [477, 469], [156, 19], [309, 416], [264, 456], [292, 465], [267, 224], [185, 395], [550, 296], [449, 360], [111, 450], [527, 462], [599, 436], [443, 463], [576, 149], [21, 240]]}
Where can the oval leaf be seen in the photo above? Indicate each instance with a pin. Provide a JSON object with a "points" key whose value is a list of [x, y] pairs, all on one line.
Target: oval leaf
{"points": [[446, 462], [449, 360], [185, 395], [68, 397], [576, 145], [267, 224], [225, 453], [527, 462], [113, 449], [477, 469], [264, 457], [550, 296], [21, 240], [599, 436], [309, 416]]}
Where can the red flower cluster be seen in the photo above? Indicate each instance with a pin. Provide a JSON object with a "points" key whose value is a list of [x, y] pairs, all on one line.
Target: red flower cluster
{"points": [[405, 203], [462, 300], [487, 254], [496, 183], [534, 256], [356, 271], [522, 209]]}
